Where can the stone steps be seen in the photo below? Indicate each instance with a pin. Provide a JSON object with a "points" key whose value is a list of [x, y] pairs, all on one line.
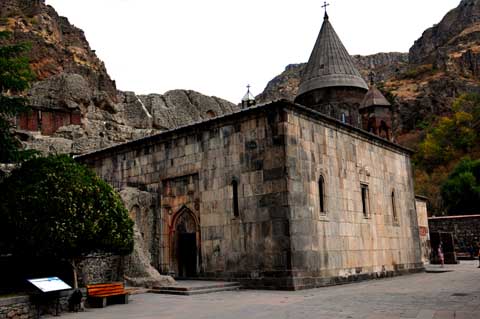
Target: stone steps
{"points": [[196, 288], [136, 290]]}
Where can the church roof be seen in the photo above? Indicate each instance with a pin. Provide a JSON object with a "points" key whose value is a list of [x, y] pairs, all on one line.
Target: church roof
{"points": [[374, 98], [222, 120], [330, 64]]}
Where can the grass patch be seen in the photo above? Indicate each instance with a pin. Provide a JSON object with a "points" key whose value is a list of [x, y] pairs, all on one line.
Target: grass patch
{"points": [[419, 71]]}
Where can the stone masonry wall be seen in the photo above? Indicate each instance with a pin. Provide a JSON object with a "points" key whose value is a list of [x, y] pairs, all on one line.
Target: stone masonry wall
{"points": [[343, 244], [17, 308], [27, 307], [422, 214], [275, 153], [193, 169], [100, 268], [465, 229]]}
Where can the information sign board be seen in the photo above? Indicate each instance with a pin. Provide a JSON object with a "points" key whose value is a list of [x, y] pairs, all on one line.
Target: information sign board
{"points": [[49, 284]]}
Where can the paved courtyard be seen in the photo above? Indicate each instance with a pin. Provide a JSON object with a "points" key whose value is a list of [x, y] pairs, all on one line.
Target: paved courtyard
{"points": [[453, 294]]}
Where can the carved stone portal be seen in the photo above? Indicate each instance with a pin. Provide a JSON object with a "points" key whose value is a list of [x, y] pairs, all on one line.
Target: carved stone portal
{"points": [[185, 244]]}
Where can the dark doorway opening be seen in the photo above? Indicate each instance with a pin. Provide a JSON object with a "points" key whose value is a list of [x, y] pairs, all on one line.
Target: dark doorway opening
{"points": [[186, 242], [448, 247], [187, 254]]}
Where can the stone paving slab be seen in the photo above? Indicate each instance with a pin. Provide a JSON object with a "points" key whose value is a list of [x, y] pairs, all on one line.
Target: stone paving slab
{"points": [[449, 295]]}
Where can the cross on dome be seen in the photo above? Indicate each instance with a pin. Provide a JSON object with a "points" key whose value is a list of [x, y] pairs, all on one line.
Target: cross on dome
{"points": [[325, 5], [248, 100]]}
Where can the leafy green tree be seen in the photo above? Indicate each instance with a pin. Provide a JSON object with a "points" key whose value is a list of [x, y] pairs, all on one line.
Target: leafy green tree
{"points": [[452, 137], [446, 141], [469, 103], [461, 192], [15, 76], [55, 207]]}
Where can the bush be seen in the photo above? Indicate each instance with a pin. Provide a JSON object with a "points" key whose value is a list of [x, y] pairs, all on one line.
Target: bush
{"points": [[451, 137], [461, 192], [58, 208]]}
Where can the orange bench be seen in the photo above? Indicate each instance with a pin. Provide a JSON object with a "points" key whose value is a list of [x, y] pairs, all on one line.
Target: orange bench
{"points": [[98, 294]]}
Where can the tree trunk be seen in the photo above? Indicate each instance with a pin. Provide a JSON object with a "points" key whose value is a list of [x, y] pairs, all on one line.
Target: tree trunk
{"points": [[74, 268]]}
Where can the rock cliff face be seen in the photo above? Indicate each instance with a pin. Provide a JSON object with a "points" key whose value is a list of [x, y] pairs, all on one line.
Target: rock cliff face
{"points": [[56, 45], [138, 266], [383, 65], [459, 27], [76, 105], [443, 63]]}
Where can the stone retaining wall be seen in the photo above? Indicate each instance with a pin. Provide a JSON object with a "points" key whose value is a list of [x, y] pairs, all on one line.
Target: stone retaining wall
{"points": [[100, 268], [465, 229], [27, 307], [16, 308]]}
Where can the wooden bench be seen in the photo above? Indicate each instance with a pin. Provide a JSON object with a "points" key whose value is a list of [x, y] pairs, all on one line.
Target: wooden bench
{"points": [[98, 294]]}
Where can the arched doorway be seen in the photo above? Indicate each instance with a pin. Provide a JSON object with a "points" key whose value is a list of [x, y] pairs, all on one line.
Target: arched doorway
{"points": [[185, 239]]}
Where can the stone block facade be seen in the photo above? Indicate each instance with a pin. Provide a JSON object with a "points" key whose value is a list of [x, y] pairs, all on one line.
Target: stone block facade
{"points": [[238, 199], [341, 103], [424, 231], [352, 237]]}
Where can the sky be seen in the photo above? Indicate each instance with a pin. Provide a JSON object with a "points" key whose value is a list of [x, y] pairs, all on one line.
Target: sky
{"points": [[217, 47]]}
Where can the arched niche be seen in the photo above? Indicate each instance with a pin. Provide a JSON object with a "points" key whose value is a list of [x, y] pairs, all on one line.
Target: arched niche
{"points": [[185, 244]]}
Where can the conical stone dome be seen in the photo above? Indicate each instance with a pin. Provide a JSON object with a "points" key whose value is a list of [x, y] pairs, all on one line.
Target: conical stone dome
{"points": [[374, 98], [330, 65]]}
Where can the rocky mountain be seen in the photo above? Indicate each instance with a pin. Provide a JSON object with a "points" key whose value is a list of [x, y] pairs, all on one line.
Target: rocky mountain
{"points": [[459, 29], [76, 105], [56, 45], [443, 63]]}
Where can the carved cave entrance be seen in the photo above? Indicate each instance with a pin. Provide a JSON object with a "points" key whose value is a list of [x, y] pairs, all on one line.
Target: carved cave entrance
{"points": [[186, 237]]}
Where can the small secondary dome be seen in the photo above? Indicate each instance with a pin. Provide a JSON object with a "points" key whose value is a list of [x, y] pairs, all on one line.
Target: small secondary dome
{"points": [[374, 98], [248, 100]]}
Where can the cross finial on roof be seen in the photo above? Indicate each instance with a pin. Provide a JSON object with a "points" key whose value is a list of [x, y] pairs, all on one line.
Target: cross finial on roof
{"points": [[371, 75], [248, 100], [325, 5]]}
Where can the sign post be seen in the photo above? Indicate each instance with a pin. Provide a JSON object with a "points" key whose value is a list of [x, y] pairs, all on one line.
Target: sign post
{"points": [[49, 288]]}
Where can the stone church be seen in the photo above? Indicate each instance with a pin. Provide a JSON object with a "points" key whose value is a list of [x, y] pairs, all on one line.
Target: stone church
{"points": [[285, 195]]}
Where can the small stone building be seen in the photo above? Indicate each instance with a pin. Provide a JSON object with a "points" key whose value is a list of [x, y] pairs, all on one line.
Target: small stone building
{"points": [[464, 229], [282, 195]]}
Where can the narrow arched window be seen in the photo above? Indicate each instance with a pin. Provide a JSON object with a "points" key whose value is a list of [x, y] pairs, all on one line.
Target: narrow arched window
{"points": [[394, 208], [321, 194], [365, 200], [236, 211]]}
